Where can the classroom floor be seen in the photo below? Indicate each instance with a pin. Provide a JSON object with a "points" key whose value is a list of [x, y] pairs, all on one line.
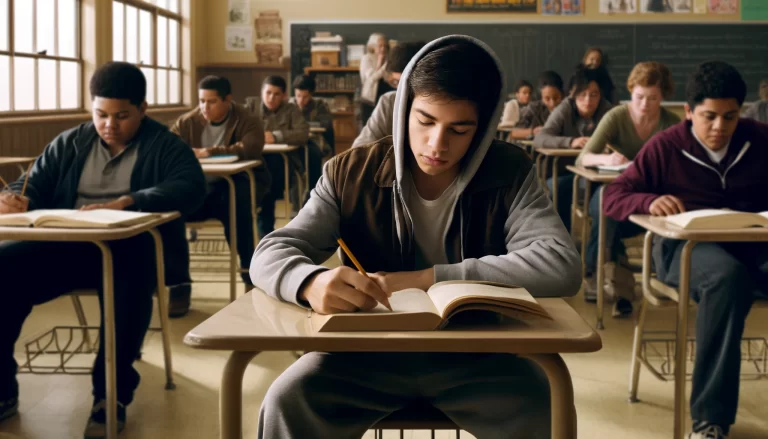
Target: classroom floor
{"points": [[57, 407]]}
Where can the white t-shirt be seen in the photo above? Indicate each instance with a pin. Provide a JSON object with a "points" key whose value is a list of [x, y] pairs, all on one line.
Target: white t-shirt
{"points": [[430, 221], [715, 156]]}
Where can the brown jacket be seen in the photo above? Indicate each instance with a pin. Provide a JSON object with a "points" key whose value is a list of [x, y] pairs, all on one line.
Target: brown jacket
{"points": [[286, 123]]}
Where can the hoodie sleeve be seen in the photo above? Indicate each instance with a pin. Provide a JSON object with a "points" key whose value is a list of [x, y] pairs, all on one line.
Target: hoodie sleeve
{"points": [[540, 255], [379, 125], [637, 187], [551, 134], [287, 257]]}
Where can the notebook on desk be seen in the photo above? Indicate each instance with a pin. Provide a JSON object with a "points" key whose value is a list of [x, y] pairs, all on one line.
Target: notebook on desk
{"points": [[218, 159], [418, 310], [77, 219], [610, 169]]}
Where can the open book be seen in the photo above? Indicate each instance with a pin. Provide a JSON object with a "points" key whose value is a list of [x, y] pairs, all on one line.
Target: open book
{"points": [[77, 219], [613, 168], [417, 310], [718, 219], [218, 159]]}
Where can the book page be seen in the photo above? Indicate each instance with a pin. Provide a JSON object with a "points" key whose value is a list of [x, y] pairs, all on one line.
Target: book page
{"points": [[93, 218], [614, 168], [29, 218], [218, 159], [445, 295], [717, 219], [683, 219], [406, 301]]}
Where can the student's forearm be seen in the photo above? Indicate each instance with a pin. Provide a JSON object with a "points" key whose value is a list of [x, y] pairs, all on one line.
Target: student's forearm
{"points": [[590, 159], [521, 133]]}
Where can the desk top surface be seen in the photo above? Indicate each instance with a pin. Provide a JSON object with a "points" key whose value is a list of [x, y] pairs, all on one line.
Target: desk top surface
{"points": [[256, 322], [272, 148], [16, 160], [558, 152], [214, 169], [317, 130], [661, 227], [82, 235], [593, 175]]}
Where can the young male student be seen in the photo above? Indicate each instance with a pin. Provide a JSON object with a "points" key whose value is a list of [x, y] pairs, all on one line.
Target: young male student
{"points": [[513, 108], [535, 115], [122, 160], [220, 126], [713, 160], [283, 123], [379, 125], [315, 112], [440, 200]]}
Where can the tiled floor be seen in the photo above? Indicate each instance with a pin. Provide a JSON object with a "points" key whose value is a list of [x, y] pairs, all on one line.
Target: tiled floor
{"points": [[56, 407]]}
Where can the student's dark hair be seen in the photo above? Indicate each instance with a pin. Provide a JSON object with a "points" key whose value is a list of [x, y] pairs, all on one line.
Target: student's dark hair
{"points": [[594, 49], [550, 78], [583, 76], [523, 83], [715, 80], [304, 82], [400, 55], [218, 83], [119, 80], [459, 71], [275, 81]]}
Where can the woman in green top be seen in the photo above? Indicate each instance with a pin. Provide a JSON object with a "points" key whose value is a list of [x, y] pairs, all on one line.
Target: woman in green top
{"points": [[618, 138]]}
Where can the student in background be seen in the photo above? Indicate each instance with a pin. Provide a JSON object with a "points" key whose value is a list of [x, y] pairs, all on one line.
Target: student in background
{"points": [[373, 68], [379, 125], [624, 130], [534, 116], [122, 160], [759, 110], [571, 124], [220, 126], [316, 112], [451, 98], [283, 123], [595, 58], [713, 160], [512, 109]]}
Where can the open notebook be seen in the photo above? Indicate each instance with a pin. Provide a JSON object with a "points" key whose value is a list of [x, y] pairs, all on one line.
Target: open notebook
{"points": [[417, 310], [612, 169], [77, 219], [718, 219], [218, 159]]}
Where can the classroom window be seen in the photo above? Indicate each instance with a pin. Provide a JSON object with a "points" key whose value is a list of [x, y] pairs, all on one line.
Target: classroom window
{"points": [[40, 64], [147, 33]]}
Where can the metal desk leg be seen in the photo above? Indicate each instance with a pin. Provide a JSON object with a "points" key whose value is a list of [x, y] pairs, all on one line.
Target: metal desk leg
{"points": [[680, 343], [234, 267], [554, 182], [561, 391], [600, 264], [306, 176], [287, 187], [574, 208], [254, 206], [231, 396], [109, 338], [162, 305]]}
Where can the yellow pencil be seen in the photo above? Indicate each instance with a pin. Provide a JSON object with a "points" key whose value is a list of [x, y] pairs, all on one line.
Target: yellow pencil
{"points": [[5, 184], [610, 147], [359, 267], [26, 179]]}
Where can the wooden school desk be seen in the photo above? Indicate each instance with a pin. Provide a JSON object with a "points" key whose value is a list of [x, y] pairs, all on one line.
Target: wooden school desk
{"points": [[256, 322], [20, 162], [317, 130], [659, 226], [591, 176], [542, 160], [226, 171], [284, 150], [101, 238]]}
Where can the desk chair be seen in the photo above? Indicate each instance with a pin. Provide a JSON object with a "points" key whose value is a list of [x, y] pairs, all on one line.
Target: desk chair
{"points": [[659, 294], [419, 416]]}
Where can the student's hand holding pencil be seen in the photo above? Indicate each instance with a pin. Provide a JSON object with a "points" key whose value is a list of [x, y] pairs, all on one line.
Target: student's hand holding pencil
{"points": [[13, 203], [342, 290]]}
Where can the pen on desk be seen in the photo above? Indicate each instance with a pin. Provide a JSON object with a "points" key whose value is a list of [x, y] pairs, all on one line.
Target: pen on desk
{"points": [[359, 267], [26, 179]]}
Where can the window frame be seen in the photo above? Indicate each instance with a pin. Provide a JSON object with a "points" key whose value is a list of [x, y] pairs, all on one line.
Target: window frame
{"points": [[156, 11], [12, 54]]}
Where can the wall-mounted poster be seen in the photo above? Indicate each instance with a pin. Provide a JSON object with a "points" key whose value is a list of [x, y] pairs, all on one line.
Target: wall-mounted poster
{"points": [[754, 10], [699, 6], [239, 38], [239, 13], [656, 6], [724, 6], [493, 5], [562, 7], [618, 6]]}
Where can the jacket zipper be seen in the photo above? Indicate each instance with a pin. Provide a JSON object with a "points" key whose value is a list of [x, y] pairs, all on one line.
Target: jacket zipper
{"points": [[724, 174]]}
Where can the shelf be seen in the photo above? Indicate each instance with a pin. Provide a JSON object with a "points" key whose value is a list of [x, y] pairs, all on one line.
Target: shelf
{"points": [[331, 69], [335, 91]]}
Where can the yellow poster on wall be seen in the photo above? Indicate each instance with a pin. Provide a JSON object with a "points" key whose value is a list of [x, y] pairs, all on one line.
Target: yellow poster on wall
{"points": [[492, 6]]}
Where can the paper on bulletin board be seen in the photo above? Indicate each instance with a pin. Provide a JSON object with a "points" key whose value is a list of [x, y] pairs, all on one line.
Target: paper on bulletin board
{"points": [[699, 6], [239, 12], [754, 10], [724, 6], [562, 7], [618, 6], [239, 38]]}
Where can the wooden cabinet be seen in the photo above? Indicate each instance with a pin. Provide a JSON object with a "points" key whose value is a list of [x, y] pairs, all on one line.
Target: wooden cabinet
{"points": [[338, 86]]}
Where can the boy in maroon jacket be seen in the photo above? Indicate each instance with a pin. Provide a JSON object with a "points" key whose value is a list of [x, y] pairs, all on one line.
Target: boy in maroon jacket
{"points": [[713, 160]]}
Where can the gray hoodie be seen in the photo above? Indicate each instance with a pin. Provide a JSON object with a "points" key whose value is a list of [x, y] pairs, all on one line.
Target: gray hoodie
{"points": [[379, 125], [562, 125], [540, 255]]}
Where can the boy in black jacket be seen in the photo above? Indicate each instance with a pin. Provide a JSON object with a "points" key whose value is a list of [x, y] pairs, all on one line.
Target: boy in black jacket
{"points": [[122, 160]]}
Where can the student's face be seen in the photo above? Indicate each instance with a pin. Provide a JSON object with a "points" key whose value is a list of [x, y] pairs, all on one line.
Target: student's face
{"points": [[523, 95], [588, 100], [381, 46], [117, 120], [646, 100], [593, 60], [302, 97], [440, 131], [272, 96], [714, 121], [213, 107], [551, 97]]}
